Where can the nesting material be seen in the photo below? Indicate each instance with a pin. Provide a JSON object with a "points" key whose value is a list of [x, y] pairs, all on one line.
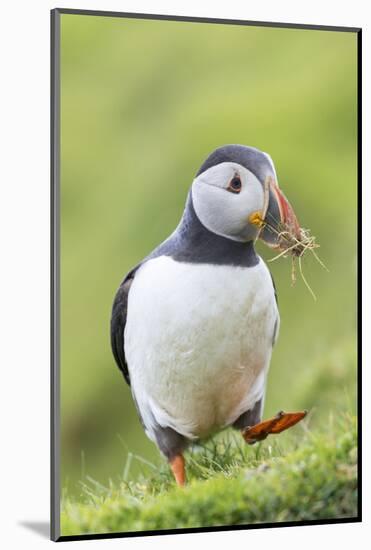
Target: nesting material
{"points": [[290, 243], [296, 247]]}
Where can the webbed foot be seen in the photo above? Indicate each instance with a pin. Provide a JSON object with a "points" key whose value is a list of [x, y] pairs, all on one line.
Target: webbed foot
{"points": [[281, 422]]}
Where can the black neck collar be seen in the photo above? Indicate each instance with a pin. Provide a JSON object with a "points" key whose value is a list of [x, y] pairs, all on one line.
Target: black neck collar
{"points": [[192, 242]]}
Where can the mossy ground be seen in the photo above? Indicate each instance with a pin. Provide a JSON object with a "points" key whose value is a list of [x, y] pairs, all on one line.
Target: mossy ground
{"points": [[313, 476]]}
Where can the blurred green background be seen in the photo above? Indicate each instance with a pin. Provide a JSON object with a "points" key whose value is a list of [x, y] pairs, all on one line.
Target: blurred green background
{"points": [[142, 104]]}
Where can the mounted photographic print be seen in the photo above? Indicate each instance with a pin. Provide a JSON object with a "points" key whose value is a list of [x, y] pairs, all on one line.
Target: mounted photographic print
{"points": [[205, 195]]}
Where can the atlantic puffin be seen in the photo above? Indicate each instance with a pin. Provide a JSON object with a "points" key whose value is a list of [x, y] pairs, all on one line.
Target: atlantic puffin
{"points": [[194, 323]]}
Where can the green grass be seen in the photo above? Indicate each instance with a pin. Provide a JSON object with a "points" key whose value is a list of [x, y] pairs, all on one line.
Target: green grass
{"points": [[229, 483]]}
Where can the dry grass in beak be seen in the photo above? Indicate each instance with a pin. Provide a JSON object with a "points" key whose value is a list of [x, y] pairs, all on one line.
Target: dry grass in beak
{"points": [[294, 246]]}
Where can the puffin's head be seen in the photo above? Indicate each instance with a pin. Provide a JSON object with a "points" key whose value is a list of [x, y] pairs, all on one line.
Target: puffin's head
{"points": [[235, 188]]}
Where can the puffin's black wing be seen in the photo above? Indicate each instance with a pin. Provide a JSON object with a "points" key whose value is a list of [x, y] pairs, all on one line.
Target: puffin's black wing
{"points": [[274, 288], [274, 338], [118, 322]]}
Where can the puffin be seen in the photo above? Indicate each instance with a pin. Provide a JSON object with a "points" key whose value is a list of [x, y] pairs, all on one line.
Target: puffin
{"points": [[194, 323]]}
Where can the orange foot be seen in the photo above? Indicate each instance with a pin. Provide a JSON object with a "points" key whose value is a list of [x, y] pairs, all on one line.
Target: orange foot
{"points": [[177, 465], [281, 422]]}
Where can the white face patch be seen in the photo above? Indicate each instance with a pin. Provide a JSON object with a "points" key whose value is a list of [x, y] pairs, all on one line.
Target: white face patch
{"points": [[223, 212]]}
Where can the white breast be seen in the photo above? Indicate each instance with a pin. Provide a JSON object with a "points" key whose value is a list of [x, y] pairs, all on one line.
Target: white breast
{"points": [[198, 342]]}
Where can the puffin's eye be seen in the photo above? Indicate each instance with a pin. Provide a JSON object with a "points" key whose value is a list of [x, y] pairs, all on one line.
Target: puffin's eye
{"points": [[235, 185]]}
